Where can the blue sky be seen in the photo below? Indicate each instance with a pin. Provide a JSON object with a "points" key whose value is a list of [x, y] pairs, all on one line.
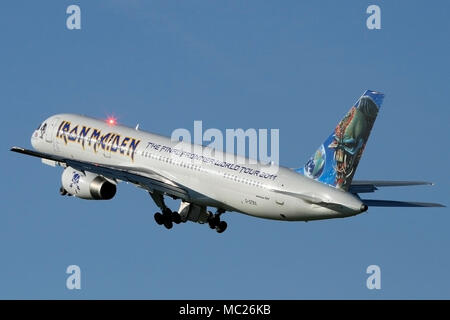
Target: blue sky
{"points": [[296, 66]]}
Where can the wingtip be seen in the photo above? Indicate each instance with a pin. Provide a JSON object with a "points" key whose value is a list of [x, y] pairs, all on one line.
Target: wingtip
{"points": [[425, 183]]}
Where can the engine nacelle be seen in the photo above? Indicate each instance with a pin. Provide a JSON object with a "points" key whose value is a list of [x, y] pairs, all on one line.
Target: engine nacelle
{"points": [[87, 185]]}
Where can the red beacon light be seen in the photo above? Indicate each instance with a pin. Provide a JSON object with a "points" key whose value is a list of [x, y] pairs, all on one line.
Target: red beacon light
{"points": [[111, 121]]}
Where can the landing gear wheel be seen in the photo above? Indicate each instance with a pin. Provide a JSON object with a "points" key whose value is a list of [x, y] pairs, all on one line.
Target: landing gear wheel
{"points": [[176, 217], [221, 227], [168, 224], [159, 218], [214, 221], [167, 213]]}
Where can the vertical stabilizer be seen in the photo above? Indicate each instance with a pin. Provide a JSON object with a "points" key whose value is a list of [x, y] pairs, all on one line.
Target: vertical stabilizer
{"points": [[336, 160]]}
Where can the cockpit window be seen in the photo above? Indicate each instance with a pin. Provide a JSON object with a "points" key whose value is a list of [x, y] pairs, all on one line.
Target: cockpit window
{"points": [[39, 126], [42, 130]]}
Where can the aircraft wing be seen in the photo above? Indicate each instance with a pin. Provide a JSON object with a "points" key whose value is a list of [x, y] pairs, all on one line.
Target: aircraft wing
{"points": [[367, 186], [145, 178]]}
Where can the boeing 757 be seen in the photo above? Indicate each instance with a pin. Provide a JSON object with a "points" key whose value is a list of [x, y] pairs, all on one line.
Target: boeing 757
{"points": [[96, 155]]}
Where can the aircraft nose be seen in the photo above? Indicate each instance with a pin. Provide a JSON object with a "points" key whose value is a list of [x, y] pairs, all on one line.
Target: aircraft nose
{"points": [[34, 138]]}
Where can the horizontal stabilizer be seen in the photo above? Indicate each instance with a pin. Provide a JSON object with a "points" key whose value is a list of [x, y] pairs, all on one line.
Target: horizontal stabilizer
{"points": [[391, 203], [365, 186]]}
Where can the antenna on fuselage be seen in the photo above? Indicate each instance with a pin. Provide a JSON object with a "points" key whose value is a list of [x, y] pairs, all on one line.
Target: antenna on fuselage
{"points": [[137, 127]]}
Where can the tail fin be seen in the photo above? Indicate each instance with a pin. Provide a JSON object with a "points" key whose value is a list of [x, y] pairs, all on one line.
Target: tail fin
{"points": [[335, 161]]}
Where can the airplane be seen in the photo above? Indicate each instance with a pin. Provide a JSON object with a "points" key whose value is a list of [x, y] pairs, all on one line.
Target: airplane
{"points": [[96, 155]]}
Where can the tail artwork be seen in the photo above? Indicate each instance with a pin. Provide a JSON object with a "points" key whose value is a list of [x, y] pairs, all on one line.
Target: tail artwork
{"points": [[335, 161]]}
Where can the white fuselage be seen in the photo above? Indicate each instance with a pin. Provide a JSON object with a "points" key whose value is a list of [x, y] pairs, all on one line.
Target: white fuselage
{"points": [[221, 180]]}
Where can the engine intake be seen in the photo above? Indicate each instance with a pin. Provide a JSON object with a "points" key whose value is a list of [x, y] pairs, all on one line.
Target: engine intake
{"points": [[87, 185]]}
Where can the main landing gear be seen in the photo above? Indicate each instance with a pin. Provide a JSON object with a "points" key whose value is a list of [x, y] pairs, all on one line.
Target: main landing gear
{"points": [[187, 211], [215, 222], [167, 218]]}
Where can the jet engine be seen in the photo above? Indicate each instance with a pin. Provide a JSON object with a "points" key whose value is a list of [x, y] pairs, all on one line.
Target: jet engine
{"points": [[87, 185]]}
